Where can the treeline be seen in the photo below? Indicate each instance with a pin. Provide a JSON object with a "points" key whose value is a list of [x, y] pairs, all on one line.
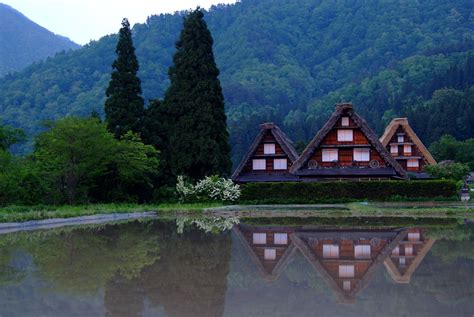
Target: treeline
{"points": [[277, 59], [137, 152]]}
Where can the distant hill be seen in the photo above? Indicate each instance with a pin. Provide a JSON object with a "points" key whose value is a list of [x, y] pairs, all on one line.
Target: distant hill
{"points": [[23, 42], [282, 61]]}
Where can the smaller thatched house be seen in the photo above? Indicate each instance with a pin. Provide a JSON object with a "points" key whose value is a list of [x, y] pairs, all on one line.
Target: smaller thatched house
{"points": [[269, 158]]}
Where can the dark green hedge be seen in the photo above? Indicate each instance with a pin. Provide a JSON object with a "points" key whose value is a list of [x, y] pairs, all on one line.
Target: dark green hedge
{"points": [[330, 192]]}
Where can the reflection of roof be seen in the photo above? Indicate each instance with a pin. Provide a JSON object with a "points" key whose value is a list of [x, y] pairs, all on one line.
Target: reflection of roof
{"points": [[279, 136], [268, 273], [392, 128], [405, 276], [345, 108], [347, 296]]}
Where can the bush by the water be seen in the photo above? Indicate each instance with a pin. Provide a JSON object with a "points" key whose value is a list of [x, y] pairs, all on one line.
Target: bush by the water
{"points": [[330, 192], [211, 188]]}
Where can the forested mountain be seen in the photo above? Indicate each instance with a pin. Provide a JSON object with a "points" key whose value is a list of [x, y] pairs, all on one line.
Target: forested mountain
{"points": [[281, 61], [23, 42]]}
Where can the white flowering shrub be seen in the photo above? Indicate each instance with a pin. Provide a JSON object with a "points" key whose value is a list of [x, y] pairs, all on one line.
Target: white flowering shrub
{"points": [[211, 188]]}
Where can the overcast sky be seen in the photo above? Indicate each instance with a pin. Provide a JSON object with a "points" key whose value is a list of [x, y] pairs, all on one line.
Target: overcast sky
{"points": [[83, 20]]}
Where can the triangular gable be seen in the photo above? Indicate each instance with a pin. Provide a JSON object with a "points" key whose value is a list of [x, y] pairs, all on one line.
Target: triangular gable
{"points": [[404, 276], [270, 270], [304, 241], [393, 127], [280, 138], [345, 109]]}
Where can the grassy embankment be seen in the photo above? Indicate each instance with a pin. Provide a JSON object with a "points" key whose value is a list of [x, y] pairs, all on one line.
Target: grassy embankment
{"points": [[25, 213]]}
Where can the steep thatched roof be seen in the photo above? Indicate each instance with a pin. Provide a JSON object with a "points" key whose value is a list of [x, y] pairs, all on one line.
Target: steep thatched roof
{"points": [[346, 109], [281, 138], [392, 128]]}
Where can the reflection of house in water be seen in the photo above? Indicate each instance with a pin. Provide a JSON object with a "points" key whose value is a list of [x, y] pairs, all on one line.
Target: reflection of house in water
{"points": [[407, 255], [345, 259], [269, 247]]}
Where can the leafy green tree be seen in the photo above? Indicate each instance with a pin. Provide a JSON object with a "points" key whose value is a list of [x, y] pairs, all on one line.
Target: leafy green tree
{"points": [[448, 148], [456, 171], [124, 106], [10, 136], [197, 137], [76, 155]]}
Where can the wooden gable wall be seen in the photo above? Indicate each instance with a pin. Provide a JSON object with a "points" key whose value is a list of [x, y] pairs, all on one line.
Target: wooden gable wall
{"points": [[402, 156]]}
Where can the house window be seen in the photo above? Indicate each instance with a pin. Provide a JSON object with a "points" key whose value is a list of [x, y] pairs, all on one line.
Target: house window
{"points": [[394, 149], [280, 164], [330, 251], [345, 135], [413, 163], [330, 155], [402, 261], [407, 148], [269, 148], [362, 154], [408, 250], [259, 238], [414, 236], [346, 285], [396, 251], [362, 251], [401, 139], [259, 165], [270, 254], [281, 238], [345, 121], [346, 271]]}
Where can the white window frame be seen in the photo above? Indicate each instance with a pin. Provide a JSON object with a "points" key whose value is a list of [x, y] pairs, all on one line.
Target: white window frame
{"points": [[361, 154], [330, 155], [330, 251], [345, 121], [259, 164], [269, 254], [345, 135], [269, 148], [408, 250], [280, 164], [280, 238], [259, 238], [346, 271], [362, 251], [413, 236], [413, 163], [346, 285], [400, 138], [402, 261], [394, 149], [407, 148]]}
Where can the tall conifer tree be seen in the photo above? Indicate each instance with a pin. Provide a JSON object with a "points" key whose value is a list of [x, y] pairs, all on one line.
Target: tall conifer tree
{"points": [[124, 106], [196, 133]]}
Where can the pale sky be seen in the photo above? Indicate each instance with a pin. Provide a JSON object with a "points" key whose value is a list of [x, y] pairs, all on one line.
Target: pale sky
{"points": [[85, 20]]}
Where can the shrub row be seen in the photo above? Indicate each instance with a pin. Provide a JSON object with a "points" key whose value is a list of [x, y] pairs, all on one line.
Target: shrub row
{"points": [[345, 191]]}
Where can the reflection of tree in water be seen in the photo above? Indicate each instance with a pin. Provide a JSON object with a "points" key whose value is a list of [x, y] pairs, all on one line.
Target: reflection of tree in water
{"points": [[83, 260], [189, 279]]}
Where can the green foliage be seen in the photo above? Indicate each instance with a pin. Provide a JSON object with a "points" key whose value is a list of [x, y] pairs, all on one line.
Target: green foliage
{"points": [[124, 107], [196, 130], [24, 42], [448, 148], [76, 155], [455, 171], [210, 188], [10, 136], [281, 61], [327, 192]]}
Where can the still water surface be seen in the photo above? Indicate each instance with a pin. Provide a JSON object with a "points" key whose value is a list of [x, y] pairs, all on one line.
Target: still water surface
{"points": [[241, 267]]}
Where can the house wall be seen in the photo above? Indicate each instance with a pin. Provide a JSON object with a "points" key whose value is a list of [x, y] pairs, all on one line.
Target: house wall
{"points": [[415, 152]]}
